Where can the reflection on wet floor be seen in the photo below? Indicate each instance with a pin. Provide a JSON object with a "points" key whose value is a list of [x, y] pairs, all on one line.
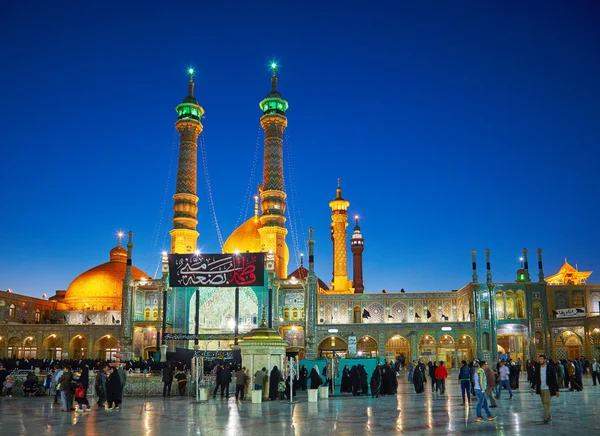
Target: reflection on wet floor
{"points": [[408, 413]]}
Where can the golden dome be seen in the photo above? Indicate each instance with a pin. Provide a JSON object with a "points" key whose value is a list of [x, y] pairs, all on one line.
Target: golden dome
{"points": [[101, 287], [244, 238]]}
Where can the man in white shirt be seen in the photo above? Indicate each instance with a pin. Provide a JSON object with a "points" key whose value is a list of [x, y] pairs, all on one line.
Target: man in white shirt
{"points": [[504, 373], [595, 371]]}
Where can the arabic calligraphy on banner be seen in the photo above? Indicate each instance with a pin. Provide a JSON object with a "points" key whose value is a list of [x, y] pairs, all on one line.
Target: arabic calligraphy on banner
{"points": [[216, 270], [570, 313]]}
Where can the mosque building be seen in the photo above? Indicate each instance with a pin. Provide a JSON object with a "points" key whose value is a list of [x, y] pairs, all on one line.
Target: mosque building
{"points": [[115, 310]]}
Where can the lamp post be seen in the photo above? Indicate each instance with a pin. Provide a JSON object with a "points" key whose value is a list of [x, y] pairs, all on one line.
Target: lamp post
{"points": [[163, 288]]}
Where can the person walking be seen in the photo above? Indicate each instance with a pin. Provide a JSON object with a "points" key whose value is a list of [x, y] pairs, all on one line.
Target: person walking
{"points": [[504, 373], [595, 371], [376, 381], [465, 375], [82, 386], [100, 386], [167, 380], [64, 386], [259, 379], [224, 380], [560, 372], [432, 369], [240, 382], [419, 379], [304, 376], [181, 378], [441, 374], [480, 387], [114, 390], [545, 385], [490, 390], [216, 371], [274, 379]]}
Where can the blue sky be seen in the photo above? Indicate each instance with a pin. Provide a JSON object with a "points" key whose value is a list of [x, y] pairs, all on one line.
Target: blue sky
{"points": [[452, 126]]}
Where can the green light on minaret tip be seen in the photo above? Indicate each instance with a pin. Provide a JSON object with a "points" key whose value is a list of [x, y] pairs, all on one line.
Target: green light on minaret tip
{"points": [[273, 66]]}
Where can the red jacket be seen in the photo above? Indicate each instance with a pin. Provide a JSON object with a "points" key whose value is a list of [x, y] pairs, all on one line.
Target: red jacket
{"points": [[441, 372]]}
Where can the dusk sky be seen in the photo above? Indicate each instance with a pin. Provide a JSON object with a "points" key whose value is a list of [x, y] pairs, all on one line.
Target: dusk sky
{"points": [[452, 125]]}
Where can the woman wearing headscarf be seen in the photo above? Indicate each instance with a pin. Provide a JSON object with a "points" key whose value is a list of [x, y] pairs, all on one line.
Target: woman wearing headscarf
{"points": [[84, 380], [376, 382], [346, 383], [418, 380], [363, 380], [114, 391], [274, 379], [355, 381], [315, 378]]}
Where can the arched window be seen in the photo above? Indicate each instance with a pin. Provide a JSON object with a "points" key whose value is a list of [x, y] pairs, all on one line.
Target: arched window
{"points": [[520, 304], [286, 314], [357, 315], [12, 313], [38, 315], [537, 310], [295, 314], [561, 301], [301, 313], [154, 314], [485, 313], [147, 314], [538, 340], [486, 341], [499, 305]]}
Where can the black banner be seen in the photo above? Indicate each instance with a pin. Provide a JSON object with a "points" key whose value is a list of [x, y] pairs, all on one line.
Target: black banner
{"points": [[216, 270]]}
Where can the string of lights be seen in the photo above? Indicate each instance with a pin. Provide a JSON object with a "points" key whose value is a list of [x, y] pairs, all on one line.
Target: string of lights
{"points": [[304, 242], [291, 205], [157, 229], [248, 196], [209, 190]]}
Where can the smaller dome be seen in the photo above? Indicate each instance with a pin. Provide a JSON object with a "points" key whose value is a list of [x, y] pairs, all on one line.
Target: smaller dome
{"points": [[118, 254]]}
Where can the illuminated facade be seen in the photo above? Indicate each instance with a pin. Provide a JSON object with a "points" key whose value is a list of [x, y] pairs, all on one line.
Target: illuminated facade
{"points": [[115, 307]]}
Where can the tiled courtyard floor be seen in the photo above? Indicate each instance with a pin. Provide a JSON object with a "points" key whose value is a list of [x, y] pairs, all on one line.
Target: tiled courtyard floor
{"points": [[574, 413]]}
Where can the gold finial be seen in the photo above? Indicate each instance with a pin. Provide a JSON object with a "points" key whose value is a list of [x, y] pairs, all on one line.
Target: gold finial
{"points": [[263, 322], [120, 236], [339, 189]]}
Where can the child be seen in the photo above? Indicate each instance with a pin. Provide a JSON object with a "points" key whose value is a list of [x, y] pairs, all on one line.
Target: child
{"points": [[181, 382], [8, 384], [48, 383], [80, 398], [281, 389]]}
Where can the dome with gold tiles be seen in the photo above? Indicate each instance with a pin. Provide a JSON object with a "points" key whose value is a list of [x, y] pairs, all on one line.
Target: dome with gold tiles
{"points": [[245, 238], [101, 287]]}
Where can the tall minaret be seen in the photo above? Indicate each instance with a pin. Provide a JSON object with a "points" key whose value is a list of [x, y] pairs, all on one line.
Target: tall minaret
{"points": [[184, 235], [357, 245], [273, 231], [126, 304], [339, 222], [310, 301]]}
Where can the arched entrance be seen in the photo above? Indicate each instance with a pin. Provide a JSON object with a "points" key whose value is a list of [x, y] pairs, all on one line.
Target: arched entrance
{"points": [[78, 347], [2, 347], [427, 349], [568, 346], [367, 347], [333, 345], [14, 347], [466, 348], [107, 348], [511, 338], [52, 348], [29, 350], [447, 351], [595, 342], [398, 348]]}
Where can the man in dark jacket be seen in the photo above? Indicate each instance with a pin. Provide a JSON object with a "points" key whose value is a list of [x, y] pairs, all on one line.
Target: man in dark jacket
{"points": [[545, 384], [167, 379], [224, 378]]}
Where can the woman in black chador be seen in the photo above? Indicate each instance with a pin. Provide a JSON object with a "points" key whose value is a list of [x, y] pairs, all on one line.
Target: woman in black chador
{"points": [[346, 383], [364, 380], [315, 378], [274, 384], [355, 381], [419, 380], [376, 382]]}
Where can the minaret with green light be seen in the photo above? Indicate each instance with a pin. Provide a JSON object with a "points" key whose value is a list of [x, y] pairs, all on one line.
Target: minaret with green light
{"points": [[273, 231], [184, 235]]}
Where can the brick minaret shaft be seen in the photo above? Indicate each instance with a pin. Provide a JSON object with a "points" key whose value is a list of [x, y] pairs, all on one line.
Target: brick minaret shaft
{"points": [[184, 235], [127, 304], [339, 222], [357, 245], [272, 231]]}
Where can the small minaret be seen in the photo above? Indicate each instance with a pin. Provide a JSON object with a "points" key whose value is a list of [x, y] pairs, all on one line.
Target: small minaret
{"points": [[540, 266], [474, 265], [339, 222], [184, 236], [310, 300], [126, 304], [523, 272], [488, 267], [357, 245], [272, 195]]}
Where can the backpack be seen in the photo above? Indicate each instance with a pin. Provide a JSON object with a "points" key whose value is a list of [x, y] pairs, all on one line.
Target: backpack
{"points": [[281, 387], [80, 391]]}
